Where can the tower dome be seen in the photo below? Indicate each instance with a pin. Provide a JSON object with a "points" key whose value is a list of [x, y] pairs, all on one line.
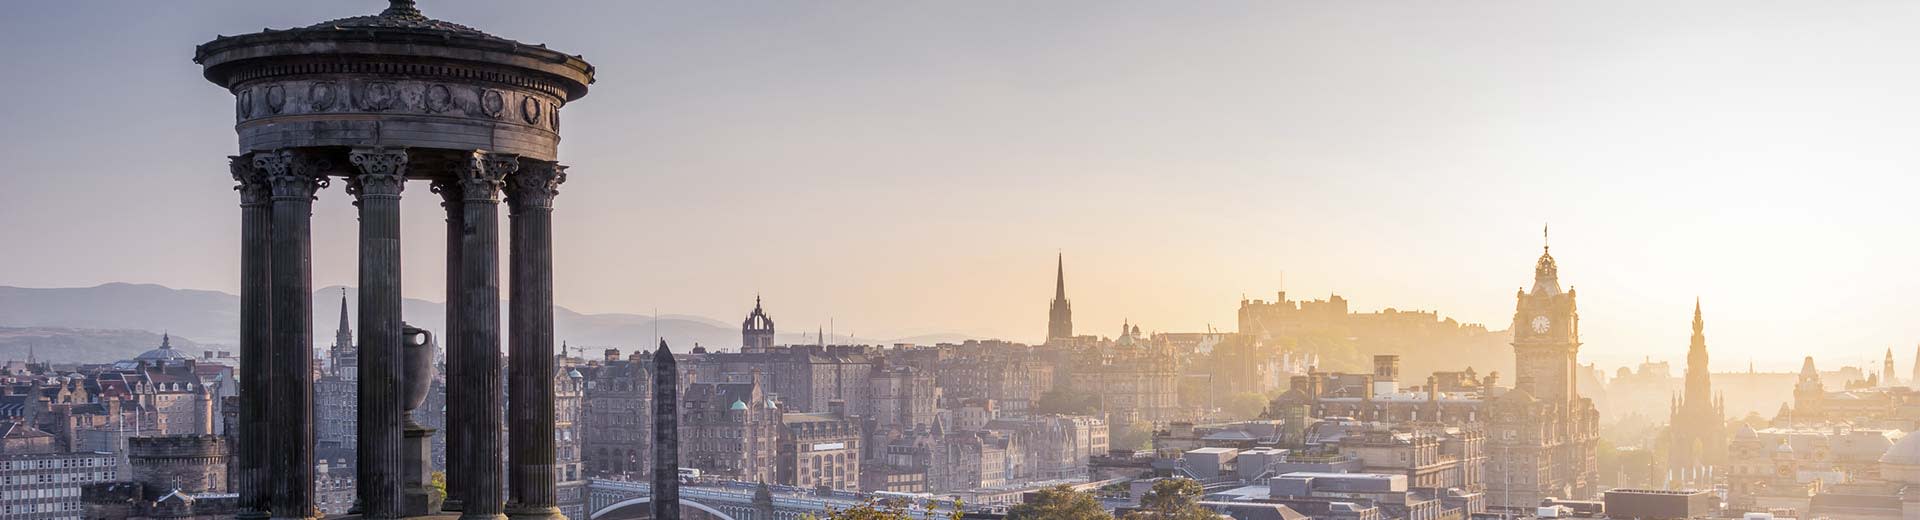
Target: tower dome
{"points": [[164, 354], [1901, 463]]}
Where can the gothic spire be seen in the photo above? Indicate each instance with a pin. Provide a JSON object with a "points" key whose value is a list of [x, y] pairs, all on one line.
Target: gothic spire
{"points": [[1060, 278], [343, 336]]}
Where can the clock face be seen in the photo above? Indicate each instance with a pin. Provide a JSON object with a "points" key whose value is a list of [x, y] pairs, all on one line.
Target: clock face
{"points": [[1541, 324]]}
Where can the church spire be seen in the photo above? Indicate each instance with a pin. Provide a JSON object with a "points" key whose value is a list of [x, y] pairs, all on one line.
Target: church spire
{"points": [[1060, 312], [1060, 278], [343, 336]]}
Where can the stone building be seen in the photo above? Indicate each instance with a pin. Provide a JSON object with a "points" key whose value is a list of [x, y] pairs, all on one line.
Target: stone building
{"points": [[336, 397], [569, 472], [730, 430], [1012, 376], [1543, 433], [174, 477], [1136, 380], [819, 450], [616, 435], [904, 397], [1051, 447]]}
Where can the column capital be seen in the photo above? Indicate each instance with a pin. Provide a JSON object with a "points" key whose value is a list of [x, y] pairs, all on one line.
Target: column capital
{"points": [[449, 190], [382, 172], [292, 174], [535, 185], [250, 181], [481, 175]]}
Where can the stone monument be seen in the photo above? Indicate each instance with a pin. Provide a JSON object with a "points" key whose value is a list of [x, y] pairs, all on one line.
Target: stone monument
{"points": [[378, 101]]}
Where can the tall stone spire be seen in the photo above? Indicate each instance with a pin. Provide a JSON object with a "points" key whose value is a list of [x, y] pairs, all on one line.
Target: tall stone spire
{"points": [[343, 336], [1915, 380], [1699, 383], [1060, 314]]}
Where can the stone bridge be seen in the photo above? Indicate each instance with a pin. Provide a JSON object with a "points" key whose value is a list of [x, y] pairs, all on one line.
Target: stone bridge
{"points": [[621, 499]]}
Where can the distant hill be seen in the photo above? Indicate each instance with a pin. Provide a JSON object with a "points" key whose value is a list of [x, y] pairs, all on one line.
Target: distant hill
{"points": [[84, 345], [118, 320]]}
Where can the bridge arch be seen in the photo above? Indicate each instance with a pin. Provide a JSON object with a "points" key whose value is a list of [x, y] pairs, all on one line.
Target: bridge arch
{"points": [[648, 500]]}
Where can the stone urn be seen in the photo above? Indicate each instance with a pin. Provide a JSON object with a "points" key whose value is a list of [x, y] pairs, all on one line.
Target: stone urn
{"points": [[417, 349]]}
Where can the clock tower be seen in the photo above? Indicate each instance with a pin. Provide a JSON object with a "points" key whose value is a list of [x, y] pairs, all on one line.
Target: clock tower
{"points": [[1546, 337]]}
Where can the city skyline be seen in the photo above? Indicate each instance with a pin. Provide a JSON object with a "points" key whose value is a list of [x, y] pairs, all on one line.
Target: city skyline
{"points": [[1409, 174]]}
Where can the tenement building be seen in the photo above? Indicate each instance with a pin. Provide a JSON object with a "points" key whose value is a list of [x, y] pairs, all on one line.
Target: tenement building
{"points": [[617, 436], [336, 397], [819, 450], [375, 102], [730, 430]]}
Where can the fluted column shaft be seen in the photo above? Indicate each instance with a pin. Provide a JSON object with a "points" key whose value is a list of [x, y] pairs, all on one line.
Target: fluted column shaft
{"points": [[481, 176], [532, 488], [454, 339], [376, 189], [256, 335], [293, 175]]}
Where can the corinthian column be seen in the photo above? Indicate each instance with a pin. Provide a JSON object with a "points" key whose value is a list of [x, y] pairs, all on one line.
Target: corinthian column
{"points": [[376, 190], [480, 176], [256, 334], [454, 339], [293, 175], [530, 456]]}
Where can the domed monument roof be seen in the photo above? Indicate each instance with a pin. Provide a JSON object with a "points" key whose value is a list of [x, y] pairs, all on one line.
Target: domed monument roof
{"points": [[401, 14], [165, 353], [397, 78], [1906, 452]]}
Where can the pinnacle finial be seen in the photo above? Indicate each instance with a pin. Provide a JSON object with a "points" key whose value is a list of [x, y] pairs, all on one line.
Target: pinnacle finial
{"points": [[1546, 242], [401, 8]]}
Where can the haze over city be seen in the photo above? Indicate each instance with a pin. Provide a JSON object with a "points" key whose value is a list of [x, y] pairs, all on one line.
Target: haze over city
{"points": [[913, 169]]}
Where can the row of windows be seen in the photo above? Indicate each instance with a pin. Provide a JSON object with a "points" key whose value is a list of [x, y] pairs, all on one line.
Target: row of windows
{"points": [[82, 462]]}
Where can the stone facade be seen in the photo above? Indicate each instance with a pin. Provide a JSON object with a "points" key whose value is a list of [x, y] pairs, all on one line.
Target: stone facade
{"points": [[616, 433], [730, 430], [819, 450]]}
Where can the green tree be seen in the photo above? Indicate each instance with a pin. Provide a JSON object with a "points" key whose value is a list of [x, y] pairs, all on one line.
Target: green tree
{"points": [[1173, 499], [872, 511], [1061, 503], [1137, 435]]}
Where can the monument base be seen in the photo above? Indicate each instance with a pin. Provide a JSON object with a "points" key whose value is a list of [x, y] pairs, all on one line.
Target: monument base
{"points": [[418, 495]]}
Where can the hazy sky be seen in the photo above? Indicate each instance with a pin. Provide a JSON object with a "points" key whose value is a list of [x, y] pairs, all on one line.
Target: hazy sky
{"points": [[912, 167]]}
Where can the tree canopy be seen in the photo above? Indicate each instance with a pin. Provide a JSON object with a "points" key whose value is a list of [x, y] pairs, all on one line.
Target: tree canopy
{"points": [[1062, 503], [1173, 499]]}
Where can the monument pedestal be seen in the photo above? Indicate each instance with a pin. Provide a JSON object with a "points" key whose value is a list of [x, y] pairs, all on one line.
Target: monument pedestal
{"points": [[418, 497]]}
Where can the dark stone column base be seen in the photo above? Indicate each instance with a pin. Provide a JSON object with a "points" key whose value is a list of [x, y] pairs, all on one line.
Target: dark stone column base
{"points": [[535, 513], [417, 498]]}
